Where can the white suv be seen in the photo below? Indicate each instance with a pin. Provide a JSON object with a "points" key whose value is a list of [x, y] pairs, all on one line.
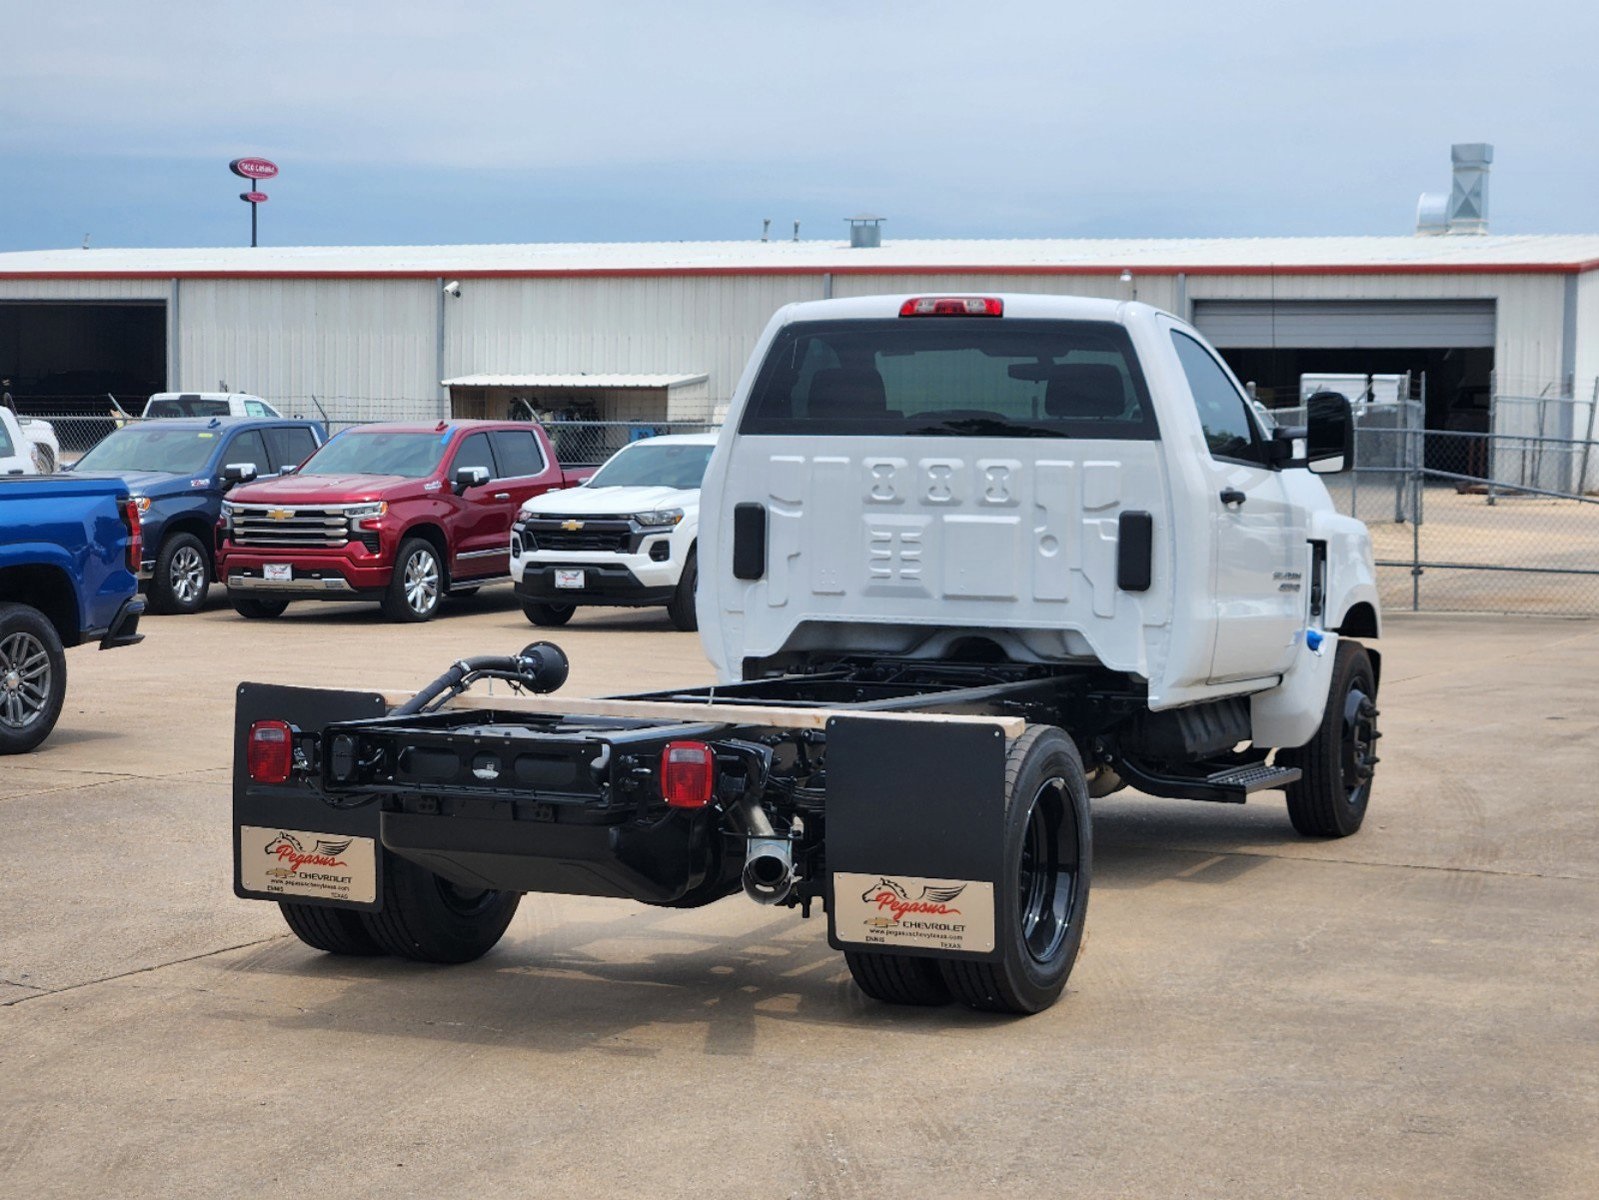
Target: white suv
{"points": [[626, 536]]}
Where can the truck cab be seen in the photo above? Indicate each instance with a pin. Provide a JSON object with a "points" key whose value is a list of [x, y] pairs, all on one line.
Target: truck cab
{"points": [[1032, 479], [397, 513]]}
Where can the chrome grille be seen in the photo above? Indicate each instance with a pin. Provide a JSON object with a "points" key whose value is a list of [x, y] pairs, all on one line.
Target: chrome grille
{"points": [[269, 525]]}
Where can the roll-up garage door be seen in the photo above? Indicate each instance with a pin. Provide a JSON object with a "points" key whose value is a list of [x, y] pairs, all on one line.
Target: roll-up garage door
{"points": [[1346, 324]]}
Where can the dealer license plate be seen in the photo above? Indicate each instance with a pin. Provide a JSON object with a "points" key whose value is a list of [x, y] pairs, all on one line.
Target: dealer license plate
{"points": [[569, 579], [281, 572]]}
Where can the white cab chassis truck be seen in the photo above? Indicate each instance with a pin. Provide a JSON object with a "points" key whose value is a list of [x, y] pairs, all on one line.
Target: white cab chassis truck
{"points": [[966, 562]]}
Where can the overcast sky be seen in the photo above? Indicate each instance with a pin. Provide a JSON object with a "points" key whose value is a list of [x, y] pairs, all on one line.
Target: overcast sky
{"points": [[405, 122]]}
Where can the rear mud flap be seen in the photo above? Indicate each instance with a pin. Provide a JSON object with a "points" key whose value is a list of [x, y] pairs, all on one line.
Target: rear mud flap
{"points": [[915, 837], [287, 843]]}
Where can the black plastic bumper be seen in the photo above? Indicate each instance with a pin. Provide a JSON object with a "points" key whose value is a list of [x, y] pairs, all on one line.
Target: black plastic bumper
{"points": [[124, 629], [607, 584]]}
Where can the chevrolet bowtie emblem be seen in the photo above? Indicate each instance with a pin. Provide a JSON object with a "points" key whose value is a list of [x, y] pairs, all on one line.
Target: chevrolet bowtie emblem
{"points": [[571, 526], [280, 514]]}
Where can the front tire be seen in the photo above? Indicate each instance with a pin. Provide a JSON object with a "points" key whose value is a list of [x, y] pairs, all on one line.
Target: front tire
{"points": [[1042, 902], [418, 584], [258, 610], [182, 576], [1338, 763], [33, 678], [427, 918], [681, 606], [547, 614], [333, 930]]}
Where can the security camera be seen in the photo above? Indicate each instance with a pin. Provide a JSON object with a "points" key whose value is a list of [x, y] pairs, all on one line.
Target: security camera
{"points": [[453, 288]]}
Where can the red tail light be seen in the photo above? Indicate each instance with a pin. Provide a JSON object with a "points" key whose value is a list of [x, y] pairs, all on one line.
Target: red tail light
{"points": [[953, 306], [130, 517], [270, 754], [688, 774]]}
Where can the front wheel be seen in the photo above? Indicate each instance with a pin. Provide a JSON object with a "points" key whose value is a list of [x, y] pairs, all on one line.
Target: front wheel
{"points": [[427, 918], [681, 606], [182, 575], [547, 614], [258, 610], [1042, 898], [1338, 763], [418, 583], [33, 678]]}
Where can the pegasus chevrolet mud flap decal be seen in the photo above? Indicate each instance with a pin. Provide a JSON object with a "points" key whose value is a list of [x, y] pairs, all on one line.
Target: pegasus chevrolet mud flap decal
{"points": [[298, 862], [899, 912]]}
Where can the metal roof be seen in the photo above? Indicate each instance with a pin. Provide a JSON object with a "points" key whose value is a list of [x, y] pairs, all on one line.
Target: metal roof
{"points": [[1330, 255], [574, 381]]}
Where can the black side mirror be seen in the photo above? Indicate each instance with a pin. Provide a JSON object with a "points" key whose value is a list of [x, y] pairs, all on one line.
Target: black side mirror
{"points": [[238, 473], [470, 477], [1329, 434]]}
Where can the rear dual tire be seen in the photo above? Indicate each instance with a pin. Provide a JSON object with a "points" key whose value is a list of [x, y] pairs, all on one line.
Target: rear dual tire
{"points": [[424, 917], [1042, 901]]}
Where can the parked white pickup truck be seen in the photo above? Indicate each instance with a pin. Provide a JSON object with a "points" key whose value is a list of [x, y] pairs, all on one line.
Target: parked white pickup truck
{"points": [[624, 536], [967, 562], [28, 445]]}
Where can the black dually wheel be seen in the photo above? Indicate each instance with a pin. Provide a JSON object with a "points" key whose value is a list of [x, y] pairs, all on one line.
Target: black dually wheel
{"points": [[430, 919], [334, 930], [1042, 900]]}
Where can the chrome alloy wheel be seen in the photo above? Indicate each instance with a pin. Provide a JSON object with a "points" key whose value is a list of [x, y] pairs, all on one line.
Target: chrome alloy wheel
{"points": [[187, 575], [25, 680], [422, 582]]}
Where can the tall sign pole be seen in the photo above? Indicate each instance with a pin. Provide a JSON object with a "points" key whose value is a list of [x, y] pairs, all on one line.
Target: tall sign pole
{"points": [[253, 169]]}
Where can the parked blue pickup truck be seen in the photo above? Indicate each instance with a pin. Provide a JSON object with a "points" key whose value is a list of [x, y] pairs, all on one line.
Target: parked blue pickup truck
{"points": [[69, 553], [178, 471]]}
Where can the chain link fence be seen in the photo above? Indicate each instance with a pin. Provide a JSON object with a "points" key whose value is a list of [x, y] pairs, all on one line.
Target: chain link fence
{"points": [[1465, 521]]}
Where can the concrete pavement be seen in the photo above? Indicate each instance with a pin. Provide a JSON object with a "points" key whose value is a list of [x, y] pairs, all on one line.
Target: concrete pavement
{"points": [[1406, 1012]]}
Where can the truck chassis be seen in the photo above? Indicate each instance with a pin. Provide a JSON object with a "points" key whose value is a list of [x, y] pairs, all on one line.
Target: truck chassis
{"points": [[939, 812]]}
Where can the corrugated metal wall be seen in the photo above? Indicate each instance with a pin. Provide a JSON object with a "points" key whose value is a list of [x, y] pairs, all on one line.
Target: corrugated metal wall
{"points": [[370, 348], [685, 325], [363, 348]]}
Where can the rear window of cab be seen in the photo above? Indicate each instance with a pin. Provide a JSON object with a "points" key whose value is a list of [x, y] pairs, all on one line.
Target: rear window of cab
{"points": [[952, 377]]}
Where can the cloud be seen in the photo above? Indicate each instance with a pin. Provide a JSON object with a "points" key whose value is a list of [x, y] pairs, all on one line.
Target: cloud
{"points": [[962, 115]]}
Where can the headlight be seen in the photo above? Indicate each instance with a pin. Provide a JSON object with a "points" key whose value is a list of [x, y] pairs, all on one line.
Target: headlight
{"points": [[142, 503], [660, 518], [357, 512]]}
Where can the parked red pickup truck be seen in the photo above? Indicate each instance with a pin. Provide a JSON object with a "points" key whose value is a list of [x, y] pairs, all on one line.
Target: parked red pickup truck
{"points": [[403, 514]]}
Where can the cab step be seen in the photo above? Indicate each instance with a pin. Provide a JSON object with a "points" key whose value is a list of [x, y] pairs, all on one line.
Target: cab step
{"points": [[1230, 785], [1257, 777]]}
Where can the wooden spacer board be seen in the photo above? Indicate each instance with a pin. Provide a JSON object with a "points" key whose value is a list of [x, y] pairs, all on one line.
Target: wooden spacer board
{"points": [[776, 716]]}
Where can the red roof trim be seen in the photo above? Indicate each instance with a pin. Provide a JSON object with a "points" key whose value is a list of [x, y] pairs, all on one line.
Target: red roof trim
{"points": [[1059, 269]]}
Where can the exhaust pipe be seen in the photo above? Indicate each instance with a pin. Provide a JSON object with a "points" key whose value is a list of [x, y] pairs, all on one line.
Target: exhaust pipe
{"points": [[768, 858]]}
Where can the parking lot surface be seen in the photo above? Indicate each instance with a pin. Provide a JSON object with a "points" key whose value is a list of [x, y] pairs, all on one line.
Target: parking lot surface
{"points": [[1408, 1012]]}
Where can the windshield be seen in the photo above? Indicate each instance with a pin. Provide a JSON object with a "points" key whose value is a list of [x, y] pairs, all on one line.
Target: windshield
{"points": [[952, 377], [152, 448], [186, 406], [413, 455], [645, 464]]}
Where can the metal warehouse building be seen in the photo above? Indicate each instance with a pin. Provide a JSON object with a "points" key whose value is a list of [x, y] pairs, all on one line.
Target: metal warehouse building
{"points": [[661, 331]]}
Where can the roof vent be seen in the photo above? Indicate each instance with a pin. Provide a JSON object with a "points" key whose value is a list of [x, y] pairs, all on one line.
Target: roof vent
{"points": [[1468, 199], [865, 232], [1432, 214]]}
